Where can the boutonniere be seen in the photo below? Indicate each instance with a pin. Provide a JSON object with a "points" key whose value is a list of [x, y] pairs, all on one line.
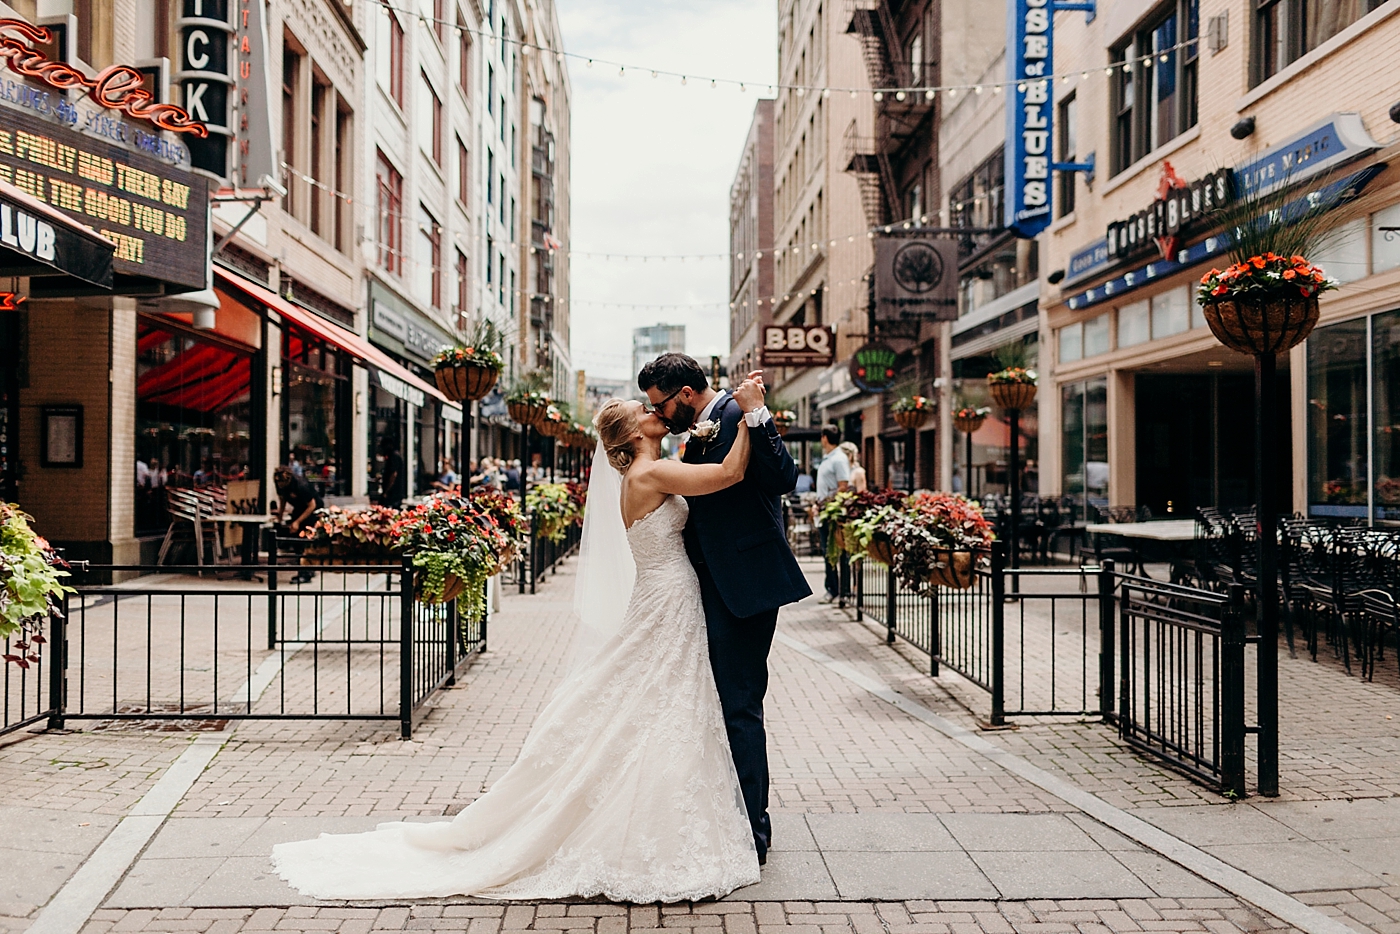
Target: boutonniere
{"points": [[705, 430]]}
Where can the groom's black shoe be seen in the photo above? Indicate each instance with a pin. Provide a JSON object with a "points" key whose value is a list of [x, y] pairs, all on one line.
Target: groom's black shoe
{"points": [[763, 858]]}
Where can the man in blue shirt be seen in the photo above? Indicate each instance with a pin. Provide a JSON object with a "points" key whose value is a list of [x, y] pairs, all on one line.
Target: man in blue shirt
{"points": [[833, 476]]}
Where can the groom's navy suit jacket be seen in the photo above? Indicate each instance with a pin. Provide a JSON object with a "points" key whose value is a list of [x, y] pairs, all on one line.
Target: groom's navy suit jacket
{"points": [[739, 532]]}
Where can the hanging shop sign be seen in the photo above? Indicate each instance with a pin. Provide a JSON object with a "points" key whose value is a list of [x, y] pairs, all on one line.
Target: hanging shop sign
{"points": [[1029, 110], [1329, 142], [48, 239], [873, 367], [120, 87], [400, 388], [1178, 206], [799, 346], [155, 213], [253, 121], [206, 78], [916, 279], [1328, 197]]}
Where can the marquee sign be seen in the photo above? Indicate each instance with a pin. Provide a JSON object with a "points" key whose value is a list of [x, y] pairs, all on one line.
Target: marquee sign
{"points": [[36, 236], [119, 87], [809, 345], [155, 213], [1029, 115], [916, 279]]}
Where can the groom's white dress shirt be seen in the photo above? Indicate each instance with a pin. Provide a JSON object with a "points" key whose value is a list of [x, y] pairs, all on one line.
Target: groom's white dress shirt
{"points": [[753, 419]]}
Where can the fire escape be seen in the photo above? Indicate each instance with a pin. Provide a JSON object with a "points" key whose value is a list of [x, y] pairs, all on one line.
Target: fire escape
{"points": [[899, 107], [543, 246]]}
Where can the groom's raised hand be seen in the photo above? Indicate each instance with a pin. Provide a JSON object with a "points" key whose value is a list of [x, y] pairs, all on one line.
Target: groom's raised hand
{"points": [[750, 393]]}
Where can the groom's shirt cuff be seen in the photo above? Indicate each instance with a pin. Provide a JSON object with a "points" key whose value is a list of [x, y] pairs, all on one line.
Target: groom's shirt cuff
{"points": [[758, 417]]}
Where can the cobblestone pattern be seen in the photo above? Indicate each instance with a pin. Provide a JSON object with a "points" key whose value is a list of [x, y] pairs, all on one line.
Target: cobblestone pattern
{"points": [[1368, 909], [91, 773], [1207, 915]]}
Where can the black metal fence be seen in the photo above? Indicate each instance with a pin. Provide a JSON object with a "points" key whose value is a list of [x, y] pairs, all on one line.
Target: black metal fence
{"points": [[542, 556], [1166, 664], [353, 643], [29, 684]]}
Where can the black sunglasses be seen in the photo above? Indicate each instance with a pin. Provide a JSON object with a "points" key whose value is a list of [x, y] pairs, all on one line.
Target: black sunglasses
{"points": [[654, 409]]}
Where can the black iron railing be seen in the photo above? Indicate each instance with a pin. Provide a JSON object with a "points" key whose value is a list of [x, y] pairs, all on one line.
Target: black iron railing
{"points": [[30, 689], [1166, 663], [351, 643], [543, 556]]}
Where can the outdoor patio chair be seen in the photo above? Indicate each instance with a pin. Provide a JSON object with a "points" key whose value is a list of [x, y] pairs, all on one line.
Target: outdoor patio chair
{"points": [[187, 514]]}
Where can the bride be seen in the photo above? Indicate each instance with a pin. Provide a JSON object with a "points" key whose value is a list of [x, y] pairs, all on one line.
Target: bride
{"points": [[625, 786]]}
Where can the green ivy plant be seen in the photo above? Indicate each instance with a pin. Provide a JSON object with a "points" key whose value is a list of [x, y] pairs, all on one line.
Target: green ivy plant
{"points": [[31, 584]]}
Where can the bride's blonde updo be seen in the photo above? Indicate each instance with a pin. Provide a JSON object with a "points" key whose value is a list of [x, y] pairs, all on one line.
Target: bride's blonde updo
{"points": [[617, 429]]}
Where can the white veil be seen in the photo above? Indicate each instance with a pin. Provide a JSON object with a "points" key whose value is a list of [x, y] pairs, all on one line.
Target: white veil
{"points": [[606, 571]]}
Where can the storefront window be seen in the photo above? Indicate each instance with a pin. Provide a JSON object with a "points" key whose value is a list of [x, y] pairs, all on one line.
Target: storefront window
{"points": [[1385, 395], [1337, 452], [388, 427], [193, 418], [1134, 324], [991, 448], [1084, 423], [315, 407]]}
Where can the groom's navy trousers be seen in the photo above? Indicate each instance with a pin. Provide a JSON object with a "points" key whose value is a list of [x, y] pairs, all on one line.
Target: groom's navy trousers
{"points": [[736, 540]]}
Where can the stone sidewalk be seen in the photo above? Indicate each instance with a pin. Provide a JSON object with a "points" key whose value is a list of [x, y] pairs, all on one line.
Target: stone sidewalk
{"points": [[883, 823]]}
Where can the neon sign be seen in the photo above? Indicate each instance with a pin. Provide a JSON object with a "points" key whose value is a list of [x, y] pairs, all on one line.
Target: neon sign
{"points": [[9, 301], [116, 88]]}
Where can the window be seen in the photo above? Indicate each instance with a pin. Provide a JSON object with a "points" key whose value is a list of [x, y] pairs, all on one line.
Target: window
{"points": [[1286, 30], [344, 167], [1084, 421], [428, 274], [916, 59], [1154, 83], [440, 20], [501, 180], [1072, 342], [1134, 324], [318, 153], [464, 58], [1096, 335], [389, 207], [430, 120], [1338, 449], [490, 252], [464, 173], [391, 54], [491, 89], [1069, 152], [291, 77], [490, 177], [976, 200], [462, 292], [914, 202], [512, 218], [1171, 313], [1084, 339], [501, 280]]}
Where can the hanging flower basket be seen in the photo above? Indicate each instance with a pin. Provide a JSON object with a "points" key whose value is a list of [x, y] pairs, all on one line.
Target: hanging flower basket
{"points": [[468, 382], [1011, 395], [1266, 304], [909, 420], [968, 424], [553, 424], [527, 413], [783, 419], [956, 569], [452, 588]]}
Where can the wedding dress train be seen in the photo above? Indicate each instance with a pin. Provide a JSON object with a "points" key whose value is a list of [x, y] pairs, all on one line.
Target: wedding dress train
{"points": [[624, 788]]}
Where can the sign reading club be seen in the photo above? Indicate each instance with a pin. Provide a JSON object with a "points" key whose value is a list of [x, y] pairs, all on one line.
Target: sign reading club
{"points": [[1029, 115]]}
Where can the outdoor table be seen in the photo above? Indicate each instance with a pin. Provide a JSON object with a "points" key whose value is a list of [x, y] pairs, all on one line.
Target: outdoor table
{"points": [[250, 545], [1174, 532]]}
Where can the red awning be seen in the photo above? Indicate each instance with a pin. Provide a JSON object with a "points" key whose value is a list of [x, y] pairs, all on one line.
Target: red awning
{"points": [[346, 340]]}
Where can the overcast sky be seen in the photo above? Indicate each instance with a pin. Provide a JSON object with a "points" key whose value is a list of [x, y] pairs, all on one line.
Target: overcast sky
{"points": [[653, 162]]}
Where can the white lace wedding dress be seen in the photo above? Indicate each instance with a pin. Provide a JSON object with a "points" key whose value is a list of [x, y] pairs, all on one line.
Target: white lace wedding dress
{"points": [[624, 788]]}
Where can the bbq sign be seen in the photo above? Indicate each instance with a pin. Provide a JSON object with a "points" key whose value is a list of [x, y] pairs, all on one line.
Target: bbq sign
{"points": [[1029, 109], [799, 345]]}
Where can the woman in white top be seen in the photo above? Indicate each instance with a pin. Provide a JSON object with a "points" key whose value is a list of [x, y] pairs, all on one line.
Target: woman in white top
{"points": [[852, 453]]}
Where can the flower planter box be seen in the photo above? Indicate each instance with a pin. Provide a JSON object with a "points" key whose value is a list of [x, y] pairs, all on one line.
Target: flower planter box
{"points": [[467, 383], [526, 414], [1261, 324], [452, 588], [1012, 395], [969, 425], [959, 570], [910, 420]]}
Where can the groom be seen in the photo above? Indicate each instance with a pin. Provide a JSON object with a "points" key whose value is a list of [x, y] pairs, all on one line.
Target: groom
{"points": [[735, 538]]}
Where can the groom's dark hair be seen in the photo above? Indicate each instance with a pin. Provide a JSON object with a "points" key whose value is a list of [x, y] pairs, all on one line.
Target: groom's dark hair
{"points": [[672, 372]]}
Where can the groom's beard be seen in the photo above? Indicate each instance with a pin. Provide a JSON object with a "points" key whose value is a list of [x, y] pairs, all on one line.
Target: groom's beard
{"points": [[681, 419]]}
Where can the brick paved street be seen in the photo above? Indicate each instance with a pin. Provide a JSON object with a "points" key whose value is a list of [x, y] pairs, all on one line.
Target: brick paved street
{"points": [[883, 824]]}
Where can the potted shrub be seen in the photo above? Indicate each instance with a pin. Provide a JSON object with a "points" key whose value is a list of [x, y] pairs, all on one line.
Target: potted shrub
{"points": [[554, 509], [968, 419], [1012, 386], [457, 546], [849, 515], [31, 585], [911, 412], [527, 402], [937, 540], [467, 372]]}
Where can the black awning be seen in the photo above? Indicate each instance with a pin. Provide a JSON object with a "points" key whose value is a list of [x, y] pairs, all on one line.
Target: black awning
{"points": [[38, 241]]}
